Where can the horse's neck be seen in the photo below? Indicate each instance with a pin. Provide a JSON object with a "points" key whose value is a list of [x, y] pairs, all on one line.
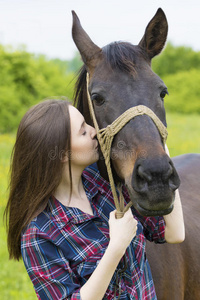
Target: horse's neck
{"points": [[103, 171], [102, 168]]}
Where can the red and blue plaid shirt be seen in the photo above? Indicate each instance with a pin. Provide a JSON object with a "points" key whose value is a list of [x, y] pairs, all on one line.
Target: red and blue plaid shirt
{"points": [[62, 246]]}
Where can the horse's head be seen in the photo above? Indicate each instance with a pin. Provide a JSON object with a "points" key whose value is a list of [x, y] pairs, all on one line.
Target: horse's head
{"points": [[120, 78]]}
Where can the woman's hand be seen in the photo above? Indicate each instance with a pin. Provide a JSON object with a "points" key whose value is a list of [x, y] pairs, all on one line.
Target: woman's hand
{"points": [[122, 231]]}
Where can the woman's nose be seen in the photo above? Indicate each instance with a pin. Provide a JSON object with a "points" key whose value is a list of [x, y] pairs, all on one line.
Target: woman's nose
{"points": [[93, 132]]}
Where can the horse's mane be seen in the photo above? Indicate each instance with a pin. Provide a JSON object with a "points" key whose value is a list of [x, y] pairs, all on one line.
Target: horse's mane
{"points": [[80, 88], [119, 55]]}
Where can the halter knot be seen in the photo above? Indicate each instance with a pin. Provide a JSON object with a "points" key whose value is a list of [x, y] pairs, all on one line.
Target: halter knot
{"points": [[139, 110], [109, 130]]}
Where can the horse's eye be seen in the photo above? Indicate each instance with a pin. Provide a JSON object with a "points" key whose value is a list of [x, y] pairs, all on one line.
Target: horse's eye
{"points": [[164, 93], [99, 100]]}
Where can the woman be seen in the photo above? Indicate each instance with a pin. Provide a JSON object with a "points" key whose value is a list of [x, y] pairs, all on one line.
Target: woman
{"points": [[62, 218]]}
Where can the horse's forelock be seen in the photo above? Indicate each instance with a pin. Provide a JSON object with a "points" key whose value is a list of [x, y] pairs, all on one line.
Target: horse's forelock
{"points": [[121, 56]]}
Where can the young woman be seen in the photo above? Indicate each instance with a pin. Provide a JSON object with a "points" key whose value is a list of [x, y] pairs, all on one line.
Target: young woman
{"points": [[62, 215]]}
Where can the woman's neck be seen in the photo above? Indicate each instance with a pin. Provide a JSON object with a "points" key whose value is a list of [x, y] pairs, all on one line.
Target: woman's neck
{"points": [[65, 190], [77, 197]]}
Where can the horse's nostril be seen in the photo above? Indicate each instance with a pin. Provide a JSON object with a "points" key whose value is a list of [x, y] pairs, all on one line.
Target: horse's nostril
{"points": [[149, 174], [168, 173], [140, 180], [172, 186], [144, 175]]}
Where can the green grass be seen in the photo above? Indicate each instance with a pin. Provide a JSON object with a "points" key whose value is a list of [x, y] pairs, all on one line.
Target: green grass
{"points": [[15, 284]]}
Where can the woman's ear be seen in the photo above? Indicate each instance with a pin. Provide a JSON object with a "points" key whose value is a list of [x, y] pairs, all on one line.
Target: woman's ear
{"points": [[65, 157]]}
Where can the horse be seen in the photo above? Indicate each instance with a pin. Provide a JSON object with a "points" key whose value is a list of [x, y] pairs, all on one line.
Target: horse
{"points": [[120, 77]]}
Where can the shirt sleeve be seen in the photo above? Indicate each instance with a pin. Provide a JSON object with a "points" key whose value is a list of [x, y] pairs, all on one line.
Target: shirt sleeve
{"points": [[153, 227], [48, 269]]}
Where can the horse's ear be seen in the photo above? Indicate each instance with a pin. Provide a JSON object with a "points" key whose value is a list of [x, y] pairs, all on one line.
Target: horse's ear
{"points": [[155, 35], [90, 52]]}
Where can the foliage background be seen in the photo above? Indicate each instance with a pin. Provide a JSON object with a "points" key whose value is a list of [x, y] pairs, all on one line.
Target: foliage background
{"points": [[25, 79]]}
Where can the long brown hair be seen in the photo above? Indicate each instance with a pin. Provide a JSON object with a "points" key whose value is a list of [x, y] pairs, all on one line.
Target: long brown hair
{"points": [[36, 165]]}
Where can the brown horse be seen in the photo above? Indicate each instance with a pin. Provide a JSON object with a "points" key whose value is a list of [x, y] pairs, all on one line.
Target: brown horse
{"points": [[120, 78]]}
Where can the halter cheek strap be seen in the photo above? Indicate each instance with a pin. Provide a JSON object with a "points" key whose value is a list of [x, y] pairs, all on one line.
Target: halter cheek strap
{"points": [[105, 137]]}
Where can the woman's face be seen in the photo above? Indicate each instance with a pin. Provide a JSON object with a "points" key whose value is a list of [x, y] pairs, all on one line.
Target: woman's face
{"points": [[84, 145]]}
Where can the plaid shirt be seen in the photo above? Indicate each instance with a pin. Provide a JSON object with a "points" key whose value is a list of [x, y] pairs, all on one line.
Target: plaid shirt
{"points": [[62, 246]]}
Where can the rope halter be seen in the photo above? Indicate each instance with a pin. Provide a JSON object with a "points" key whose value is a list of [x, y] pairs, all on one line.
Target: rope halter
{"points": [[105, 137]]}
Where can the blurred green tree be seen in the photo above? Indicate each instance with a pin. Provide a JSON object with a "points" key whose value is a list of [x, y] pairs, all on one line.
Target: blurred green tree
{"points": [[184, 93], [69, 66], [175, 59], [26, 79]]}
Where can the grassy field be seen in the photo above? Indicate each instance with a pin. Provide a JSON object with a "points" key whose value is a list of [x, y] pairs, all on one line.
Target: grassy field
{"points": [[15, 284], [183, 134]]}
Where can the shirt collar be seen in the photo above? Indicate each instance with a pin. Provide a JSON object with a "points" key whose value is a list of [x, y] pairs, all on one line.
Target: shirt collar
{"points": [[93, 183], [63, 215], [58, 212]]}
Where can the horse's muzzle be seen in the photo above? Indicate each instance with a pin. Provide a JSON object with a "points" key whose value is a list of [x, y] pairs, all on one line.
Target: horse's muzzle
{"points": [[154, 182]]}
